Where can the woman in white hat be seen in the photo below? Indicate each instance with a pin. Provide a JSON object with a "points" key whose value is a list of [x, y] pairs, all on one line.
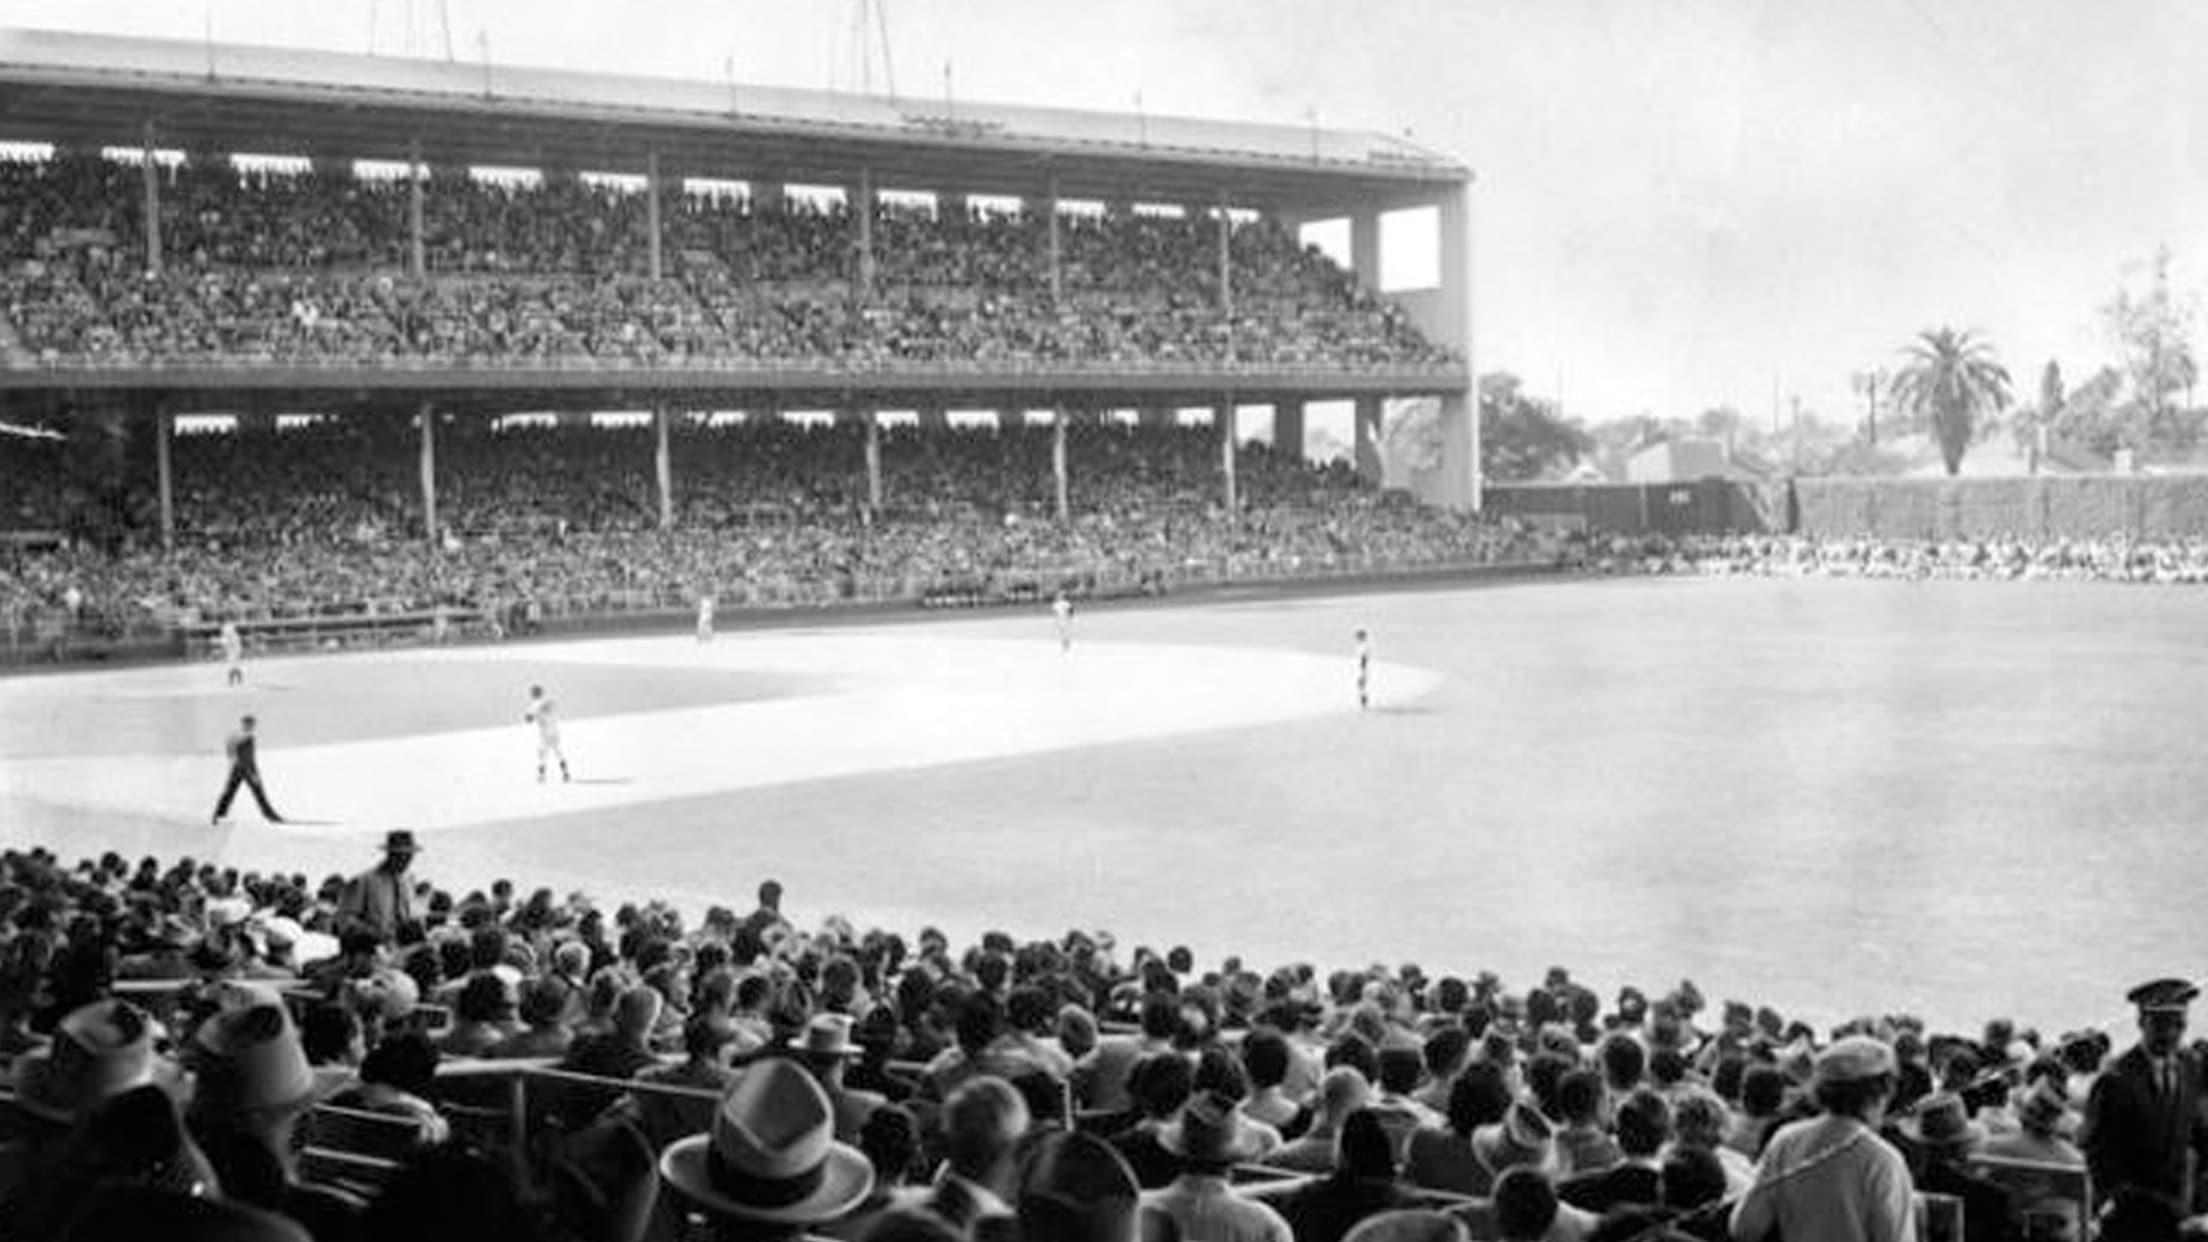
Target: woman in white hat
{"points": [[1831, 1178]]}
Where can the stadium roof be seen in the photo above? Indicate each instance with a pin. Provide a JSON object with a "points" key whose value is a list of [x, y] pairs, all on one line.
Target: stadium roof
{"points": [[99, 90]]}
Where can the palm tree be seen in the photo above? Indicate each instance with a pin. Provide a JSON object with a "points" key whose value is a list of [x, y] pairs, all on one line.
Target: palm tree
{"points": [[1951, 379]]}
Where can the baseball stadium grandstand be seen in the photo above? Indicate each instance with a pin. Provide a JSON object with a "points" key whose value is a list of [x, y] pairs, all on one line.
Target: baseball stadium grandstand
{"points": [[288, 338]]}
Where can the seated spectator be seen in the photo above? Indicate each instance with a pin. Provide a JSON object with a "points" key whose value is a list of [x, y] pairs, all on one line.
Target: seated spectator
{"points": [[1265, 1058], [827, 1051], [890, 1140], [397, 1078], [1341, 1092], [1583, 1144], [1362, 1184], [483, 1017], [1643, 1127], [252, 1091], [1445, 1158], [1763, 1091], [704, 1068], [1700, 1120], [769, 1165], [335, 1044], [1944, 1135], [1527, 1209], [1522, 1138], [2046, 1126], [982, 1123], [543, 1012], [1074, 1188], [1209, 1138], [1162, 1084]]}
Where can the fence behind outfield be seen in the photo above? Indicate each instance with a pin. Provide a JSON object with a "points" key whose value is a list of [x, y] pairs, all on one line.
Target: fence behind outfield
{"points": [[2040, 508]]}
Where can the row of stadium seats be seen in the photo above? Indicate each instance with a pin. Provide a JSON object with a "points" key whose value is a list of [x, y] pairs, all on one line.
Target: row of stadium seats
{"points": [[306, 270], [322, 519]]}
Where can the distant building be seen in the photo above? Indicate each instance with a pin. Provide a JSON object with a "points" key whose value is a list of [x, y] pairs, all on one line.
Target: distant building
{"points": [[1681, 461]]}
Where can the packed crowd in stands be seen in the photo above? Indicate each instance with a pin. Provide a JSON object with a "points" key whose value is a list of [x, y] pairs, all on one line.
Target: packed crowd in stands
{"points": [[2115, 558], [186, 1045], [321, 521], [314, 268]]}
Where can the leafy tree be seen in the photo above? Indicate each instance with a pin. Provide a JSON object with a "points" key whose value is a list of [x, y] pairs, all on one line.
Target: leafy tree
{"points": [[2154, 328], [2092, 413], [1521, 437], [1952, 380]]}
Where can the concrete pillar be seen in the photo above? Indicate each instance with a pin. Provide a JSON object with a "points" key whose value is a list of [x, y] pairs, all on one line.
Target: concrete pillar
{"points": [[1364, 248], [429, 471], [873, 462], [1226, 266], [663, 465], [1153, 416], [164, 427], [1057, 246], [862, 206], [1369, 466], [418, 249], [571, 419], [1011, 418], [651, 209], [333, 169], [934, 416], [1225, 420], [766, 195], [1059, 489], [1460, 412], [950, 205], [152, 177], [1288, 427]]}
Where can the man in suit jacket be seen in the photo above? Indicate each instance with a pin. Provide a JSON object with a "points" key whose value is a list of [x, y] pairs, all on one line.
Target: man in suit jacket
{"points": [[2143, 1121]]}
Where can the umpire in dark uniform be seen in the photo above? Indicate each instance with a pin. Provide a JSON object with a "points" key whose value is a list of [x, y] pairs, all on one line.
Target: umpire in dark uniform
{"points": [[245, 769], [2143, 1125]]}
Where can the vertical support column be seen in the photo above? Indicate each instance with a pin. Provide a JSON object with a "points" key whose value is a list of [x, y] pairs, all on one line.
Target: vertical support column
{"points": [[1226, 263], [1460, 411], [873, 461], [934, 415], [1153, 415], [1364, 248], [651, 209], [152, 173], [1057, 247], [418, 249], [1288, 427], [429, 471], [663, 465], [1059, 489], [862, 204], [1226, 457], [1369, 466], [164, 426]]}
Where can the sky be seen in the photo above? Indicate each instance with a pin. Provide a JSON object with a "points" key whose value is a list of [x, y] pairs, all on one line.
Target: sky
{"points": [[1679, 204]]}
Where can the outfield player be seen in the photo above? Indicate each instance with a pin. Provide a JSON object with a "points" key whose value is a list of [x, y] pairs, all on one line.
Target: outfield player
{"points": [[545, 714], [233, 653], [1364, 670], [705, 617], [1061, 609]]}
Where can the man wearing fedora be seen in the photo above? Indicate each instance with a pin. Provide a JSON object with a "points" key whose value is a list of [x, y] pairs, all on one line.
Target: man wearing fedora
{"points": [[1944, 1135], [770, 1166], [826, 1049], [2143, 1120], [1209, 1138], [379, 900]]}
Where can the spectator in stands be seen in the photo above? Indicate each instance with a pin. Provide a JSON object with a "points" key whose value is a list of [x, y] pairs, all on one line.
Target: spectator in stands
{"points": [[1763, 1091], [2046, 1125], [378, 901], [1583, 1143], [1341, 1092], [1527, 1209], [827, 1051], [397, 1078], [890, 1140], [253, 1087], [706, 1040], [1075, 1188], [1265, 1058], [1362, 1184], [446, 1194], [1209, 1138], [1944, 1136], [769, 1166], [1643, 1127], [1832, 1176], [332, 1037], [1100, 1079], [982, 1122], [1700, 1120], [543, 1012], [1445, 1157], [1447, 1051], [483, 1017]]}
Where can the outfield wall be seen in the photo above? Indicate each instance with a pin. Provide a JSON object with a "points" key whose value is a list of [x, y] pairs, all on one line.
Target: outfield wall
{"points": [[2039, 507]]}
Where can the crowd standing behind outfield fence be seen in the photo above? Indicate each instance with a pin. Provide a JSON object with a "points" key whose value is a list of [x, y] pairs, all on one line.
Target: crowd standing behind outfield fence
{"points": [[2119, 559], [1502, 1109]]}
